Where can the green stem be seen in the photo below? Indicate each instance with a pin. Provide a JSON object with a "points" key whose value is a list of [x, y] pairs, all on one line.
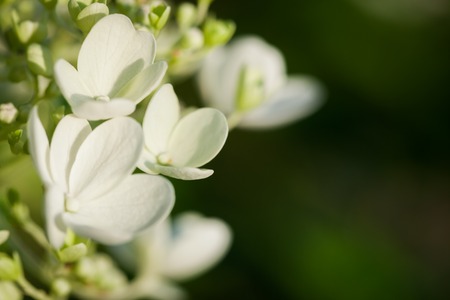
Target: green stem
{"points": [[30, 290], [37, 233]]}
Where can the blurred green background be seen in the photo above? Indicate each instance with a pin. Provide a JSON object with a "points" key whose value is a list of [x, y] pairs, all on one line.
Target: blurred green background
{"points": [[354, 201]]}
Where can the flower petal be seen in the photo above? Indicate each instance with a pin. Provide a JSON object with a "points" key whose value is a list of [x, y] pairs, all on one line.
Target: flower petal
{"points": [[184, 173], [137, 202], [298, 98], [198, 138], [67, 139], [39, 145], [54, 208], [88, 108], [160, 119], [114, 52], [210, 78], [69, 81], [143, 83], [107, 156], [201, 242]]}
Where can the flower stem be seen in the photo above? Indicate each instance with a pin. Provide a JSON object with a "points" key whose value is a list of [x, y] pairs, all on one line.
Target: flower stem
{"points": [[31, 291]]}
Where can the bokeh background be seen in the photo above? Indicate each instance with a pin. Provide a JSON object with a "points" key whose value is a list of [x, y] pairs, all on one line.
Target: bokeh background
{"points": [[354, 201]]}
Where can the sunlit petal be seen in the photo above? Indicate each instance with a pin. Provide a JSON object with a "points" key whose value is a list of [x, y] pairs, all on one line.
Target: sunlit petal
{"points": [[160, 119], [106, 157], [198, 138], [39, 145], [300, 97], [138, 201], [67, 138], [114, 52]]}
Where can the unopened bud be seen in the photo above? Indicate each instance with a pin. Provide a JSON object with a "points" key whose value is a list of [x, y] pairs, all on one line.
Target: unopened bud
{"points": [[186, 15], [16, 140], [72, 253], [49, 4], [9, 290], [192, 39], [10, 268], [159, 15], [4, 234], [61, 287], [218, 32], [8, 113], [90, 15], [40, 60], [28, 31]]}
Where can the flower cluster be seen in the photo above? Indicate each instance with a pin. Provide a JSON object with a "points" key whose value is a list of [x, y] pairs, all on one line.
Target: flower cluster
{"points": [[108, 136]]}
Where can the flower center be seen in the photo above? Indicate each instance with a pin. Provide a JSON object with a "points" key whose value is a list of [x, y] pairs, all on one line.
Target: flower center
{"points": [[164, 159], [72, 205], [102, 98]]}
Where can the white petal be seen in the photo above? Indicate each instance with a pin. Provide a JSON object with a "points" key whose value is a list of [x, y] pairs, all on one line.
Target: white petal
{"points": [[67, 138], [184, 173], [107, 156], [69, 81], [143, 83], [54, 208], [147, 161], [113, 53], [88, 108], [200, 244], [297, 99], [253, 52], [210, 78], [137, 202], [198, 138], [160, 118], [38, 145]]}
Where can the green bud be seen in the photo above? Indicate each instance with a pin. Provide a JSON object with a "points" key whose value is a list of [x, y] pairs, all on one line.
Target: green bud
{"points": [[217, 32], [8, 290], [16, 140], [17, 73], [186, 15], [100, 271], [72, 253], [192, 39], [60, 287], [49, 4], [74, 9], [13, 196], [4, 234], [10, 268], [158, 16], [28, 31], [40, 60], [250, 91], [90, 15], [20, 212], [8, 113]]}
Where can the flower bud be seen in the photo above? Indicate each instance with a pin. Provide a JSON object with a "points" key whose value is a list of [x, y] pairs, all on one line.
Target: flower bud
{"points": [[8, 290], [60, 287], [49, 4], [72, 253], [4, 234], [28, 31], [158, 16], [90, 15], [16, 140], [186, 15], [10, 268], [217, 32], [192, 39], [8, 113], [39, 60]]}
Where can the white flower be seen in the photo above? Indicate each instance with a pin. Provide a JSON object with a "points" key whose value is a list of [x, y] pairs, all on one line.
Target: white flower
{"points": [[247, 81], [179, 250], [115, 70], [177, 146], [88, 181]]}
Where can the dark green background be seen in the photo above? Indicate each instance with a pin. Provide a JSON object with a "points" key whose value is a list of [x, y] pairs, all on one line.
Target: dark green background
{"points": [[354, 201]]}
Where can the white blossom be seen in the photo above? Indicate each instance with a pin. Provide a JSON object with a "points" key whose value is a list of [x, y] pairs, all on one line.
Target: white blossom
{"points": [[176, 146], [180, 250], [116, 70], [88, 183], [247, 81]]}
